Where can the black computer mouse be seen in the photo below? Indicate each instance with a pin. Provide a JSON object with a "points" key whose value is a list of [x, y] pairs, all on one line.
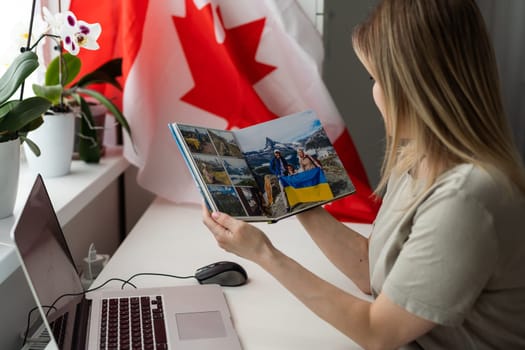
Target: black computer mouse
{"points": [[224, 273]]}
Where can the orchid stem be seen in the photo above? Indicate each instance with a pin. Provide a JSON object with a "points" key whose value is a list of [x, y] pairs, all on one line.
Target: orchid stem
{"points": [[39, 40], [33, 6]]}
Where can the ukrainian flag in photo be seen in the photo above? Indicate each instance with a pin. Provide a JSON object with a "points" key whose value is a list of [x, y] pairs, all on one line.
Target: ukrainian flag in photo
{"points": [[307, 186]]}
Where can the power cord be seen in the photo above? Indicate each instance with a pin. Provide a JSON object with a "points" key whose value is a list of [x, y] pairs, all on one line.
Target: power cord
{"points": [[153, 274], [93, 265], [29, 320], [89, 290]]}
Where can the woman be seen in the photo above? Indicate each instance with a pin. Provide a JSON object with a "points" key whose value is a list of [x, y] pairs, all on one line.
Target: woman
{"points": [[446, 259], [306, 161]]}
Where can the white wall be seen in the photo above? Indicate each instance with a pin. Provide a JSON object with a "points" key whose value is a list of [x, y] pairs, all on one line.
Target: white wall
{"points": [[349, 83], [506, 25], [315, 11]]}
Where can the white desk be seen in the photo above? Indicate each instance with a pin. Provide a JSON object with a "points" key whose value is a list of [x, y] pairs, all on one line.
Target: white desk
{"points": [[171, 239]]}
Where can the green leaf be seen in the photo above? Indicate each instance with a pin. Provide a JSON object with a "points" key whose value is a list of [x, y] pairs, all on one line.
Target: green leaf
{"points": [[23, 113], [23, 65], [32, 146], [4, 137], [6, 108], [69, 65], [50, 92], [89, 145], [106, 73], [32, 125], [110, 106]]}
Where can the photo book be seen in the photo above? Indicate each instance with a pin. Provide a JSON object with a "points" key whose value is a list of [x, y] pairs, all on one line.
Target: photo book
{"points": [[267, 171]]}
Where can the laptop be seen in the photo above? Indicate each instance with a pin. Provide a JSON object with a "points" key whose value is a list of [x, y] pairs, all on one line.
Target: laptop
{"points": [[181, 317]]}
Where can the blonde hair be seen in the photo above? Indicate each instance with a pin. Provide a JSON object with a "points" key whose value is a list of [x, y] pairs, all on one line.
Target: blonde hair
{"points": [[436, 66]]}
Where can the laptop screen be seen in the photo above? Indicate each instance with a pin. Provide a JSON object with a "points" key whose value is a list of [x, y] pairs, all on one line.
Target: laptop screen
{"points": [[45, 255]]}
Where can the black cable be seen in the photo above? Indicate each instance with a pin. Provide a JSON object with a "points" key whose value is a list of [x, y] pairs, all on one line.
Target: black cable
{"points": [[52, 306], [90, 290], [29, 320], [153, 274]]}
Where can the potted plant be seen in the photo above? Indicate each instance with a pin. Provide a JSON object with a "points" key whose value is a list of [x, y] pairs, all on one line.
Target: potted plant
{"points": [[63, 91], [68, 98], [17, 118]]}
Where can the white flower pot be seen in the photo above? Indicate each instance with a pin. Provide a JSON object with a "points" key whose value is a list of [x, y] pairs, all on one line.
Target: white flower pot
{"points": [[9, 169], [55, 139]]}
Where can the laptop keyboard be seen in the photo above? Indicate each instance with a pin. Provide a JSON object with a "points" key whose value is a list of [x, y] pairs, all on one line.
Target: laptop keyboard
{"points": [[58, 328], [133, 323]]}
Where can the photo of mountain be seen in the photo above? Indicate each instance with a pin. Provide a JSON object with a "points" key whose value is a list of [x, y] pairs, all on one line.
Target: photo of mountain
{"points": [[225, 143], [288, 136], [212, 169], [197, 139], [252, 199], [267, 171], [239, 172], [227, 200]]}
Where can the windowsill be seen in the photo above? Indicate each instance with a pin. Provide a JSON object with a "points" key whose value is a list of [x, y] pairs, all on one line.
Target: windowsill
{"points": [[69, 195]]}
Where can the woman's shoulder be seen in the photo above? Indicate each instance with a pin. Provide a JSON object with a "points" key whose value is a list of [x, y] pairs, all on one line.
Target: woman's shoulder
{"points": [[473, 186], [478, 181], [462, 185]]}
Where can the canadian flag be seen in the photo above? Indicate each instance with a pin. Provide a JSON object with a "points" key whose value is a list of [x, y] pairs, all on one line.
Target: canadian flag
{"points": [[222, 64]]}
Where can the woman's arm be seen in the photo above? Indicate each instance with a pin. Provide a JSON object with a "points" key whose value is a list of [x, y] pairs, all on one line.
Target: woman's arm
{"points": [[344, 247], [378, 325]]}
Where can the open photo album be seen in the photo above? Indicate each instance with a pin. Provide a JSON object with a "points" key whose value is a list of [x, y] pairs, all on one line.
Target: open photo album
{"points": [[267, 171]]}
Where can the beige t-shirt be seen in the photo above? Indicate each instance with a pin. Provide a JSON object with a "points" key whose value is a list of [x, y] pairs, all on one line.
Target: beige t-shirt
{"points": [[456, 257]]}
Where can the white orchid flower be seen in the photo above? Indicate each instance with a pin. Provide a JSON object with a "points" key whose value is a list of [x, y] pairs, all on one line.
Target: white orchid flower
{"points": [[88, 34], [73, 33], [55, 21]]}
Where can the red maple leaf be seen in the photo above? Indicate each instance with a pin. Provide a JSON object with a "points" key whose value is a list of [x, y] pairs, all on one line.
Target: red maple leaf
{"points": [[224, 73]]}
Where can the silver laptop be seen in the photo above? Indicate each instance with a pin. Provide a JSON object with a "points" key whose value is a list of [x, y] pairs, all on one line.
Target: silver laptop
{"points": [[182, 317]]}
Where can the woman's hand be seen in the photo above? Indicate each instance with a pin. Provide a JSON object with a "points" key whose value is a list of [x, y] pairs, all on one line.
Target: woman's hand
{"points": [[237, 237]]}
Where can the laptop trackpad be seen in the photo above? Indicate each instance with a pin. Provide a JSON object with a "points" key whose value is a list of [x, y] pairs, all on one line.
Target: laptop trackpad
{"points": [[200, 325]]}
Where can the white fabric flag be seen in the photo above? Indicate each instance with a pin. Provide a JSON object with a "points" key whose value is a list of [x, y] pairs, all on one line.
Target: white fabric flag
{"points": [[225, 64]]}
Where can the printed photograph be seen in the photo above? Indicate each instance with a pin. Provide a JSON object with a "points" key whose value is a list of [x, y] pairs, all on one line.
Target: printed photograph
{"points": [[240, 174], [294, 163], [252, 200], [225, 143], [226, 199], [211, 169], [197, 139]]}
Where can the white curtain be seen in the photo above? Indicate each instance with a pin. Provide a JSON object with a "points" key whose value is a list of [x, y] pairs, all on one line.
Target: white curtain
{"points": [[506, 24]]}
